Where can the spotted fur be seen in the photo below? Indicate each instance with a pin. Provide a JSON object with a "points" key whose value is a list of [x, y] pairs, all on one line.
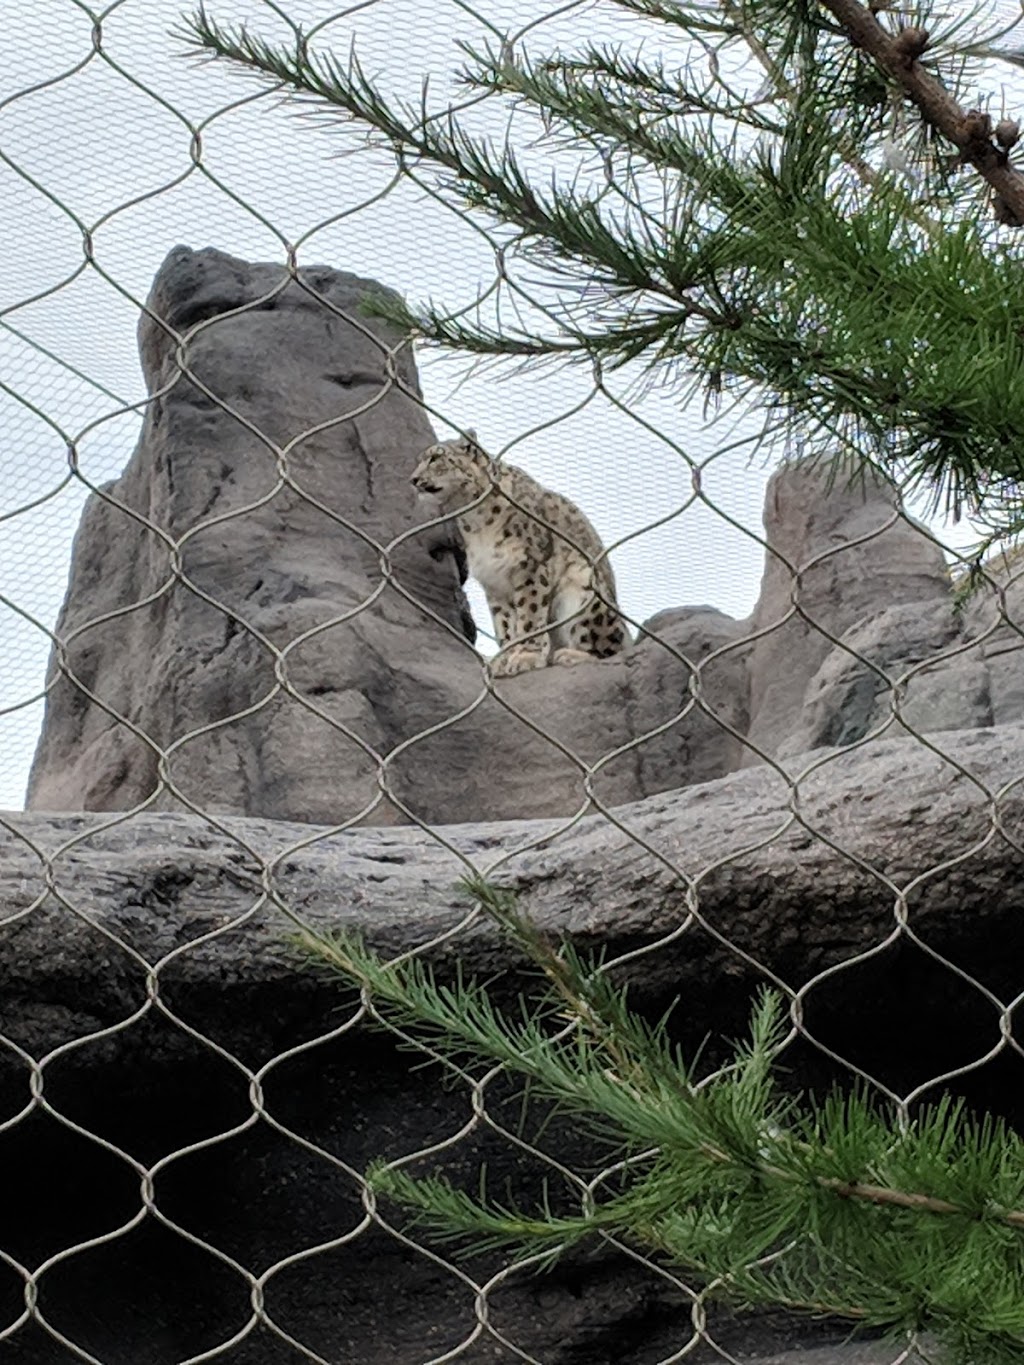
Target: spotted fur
{"points": [[541, 564]]}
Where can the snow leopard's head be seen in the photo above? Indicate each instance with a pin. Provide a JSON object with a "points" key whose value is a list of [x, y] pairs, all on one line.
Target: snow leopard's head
{"points": [[455, 472]]}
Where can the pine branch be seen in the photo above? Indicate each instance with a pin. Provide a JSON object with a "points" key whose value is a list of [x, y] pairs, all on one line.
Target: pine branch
{"points": [[653, 92], [876, 316], [820, 1207], [573, 225], [691, 16], [971, 130], [595, 113]]}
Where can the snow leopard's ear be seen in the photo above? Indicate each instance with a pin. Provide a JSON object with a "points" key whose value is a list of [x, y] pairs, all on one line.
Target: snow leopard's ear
{"points": [[471, 445]]}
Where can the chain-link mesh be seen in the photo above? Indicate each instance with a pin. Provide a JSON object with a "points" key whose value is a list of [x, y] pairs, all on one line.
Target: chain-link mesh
{"points": [[114, 149]]}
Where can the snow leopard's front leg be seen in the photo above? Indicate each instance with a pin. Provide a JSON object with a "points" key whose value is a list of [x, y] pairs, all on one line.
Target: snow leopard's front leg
{"points": [[521, 613]]}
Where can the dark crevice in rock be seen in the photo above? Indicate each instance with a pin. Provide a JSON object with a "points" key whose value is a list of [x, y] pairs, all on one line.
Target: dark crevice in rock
{"points": [[357, 377], [361, 451]]}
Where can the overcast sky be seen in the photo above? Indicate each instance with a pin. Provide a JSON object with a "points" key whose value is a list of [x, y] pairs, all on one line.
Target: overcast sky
{"points": [[106, 139]]}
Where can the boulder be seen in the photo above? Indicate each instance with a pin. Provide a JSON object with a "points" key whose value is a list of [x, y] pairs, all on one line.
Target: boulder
{"points": [[839, 552], [910, 667], [215, 646], [993, 616], [921, 666]]}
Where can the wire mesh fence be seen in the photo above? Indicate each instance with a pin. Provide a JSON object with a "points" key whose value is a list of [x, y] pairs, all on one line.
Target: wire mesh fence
{"points": [[263, 691]]}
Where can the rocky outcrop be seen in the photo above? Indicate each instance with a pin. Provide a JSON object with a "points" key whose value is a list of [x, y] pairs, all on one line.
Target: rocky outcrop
{"points": [[993, 619], [840, 556], [247, 531], [254, 625], [707, 889], [919, 667], [871, 821]]}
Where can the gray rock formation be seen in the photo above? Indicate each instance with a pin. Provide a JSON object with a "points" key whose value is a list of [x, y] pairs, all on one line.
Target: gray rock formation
{"points": [[156, 882], [173, 891], [918, 667], [231, 642], [994, 618], [248, 530], [249, 525], [839, 557]]}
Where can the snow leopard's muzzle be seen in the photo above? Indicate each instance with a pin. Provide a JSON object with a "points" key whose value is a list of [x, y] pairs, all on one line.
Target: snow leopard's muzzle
{"points": [[421, 479]]}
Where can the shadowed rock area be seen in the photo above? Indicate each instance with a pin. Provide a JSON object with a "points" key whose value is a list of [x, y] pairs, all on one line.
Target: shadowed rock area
{"points": [[142, 891], [259, 624]]}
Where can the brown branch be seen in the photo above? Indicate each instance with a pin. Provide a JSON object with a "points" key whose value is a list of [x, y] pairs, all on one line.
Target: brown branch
{"points": [[786, 90], [870, 1193], [908, 1199], [970, 131]]}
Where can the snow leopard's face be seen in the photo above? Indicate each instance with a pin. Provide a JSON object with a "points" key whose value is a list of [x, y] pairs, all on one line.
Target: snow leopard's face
{"points": [[454, 471]]}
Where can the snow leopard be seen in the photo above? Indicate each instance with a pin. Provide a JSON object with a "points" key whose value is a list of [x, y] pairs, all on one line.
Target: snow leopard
{"points": [[541, 564]]}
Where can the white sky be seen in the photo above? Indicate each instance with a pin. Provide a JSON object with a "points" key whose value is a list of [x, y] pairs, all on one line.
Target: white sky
{"points": [[106, 141]]}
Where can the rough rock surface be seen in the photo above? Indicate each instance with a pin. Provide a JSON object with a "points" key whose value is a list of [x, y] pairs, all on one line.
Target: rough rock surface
{"points": [[226, 606], [918, 667], [248, 520], [994, 618], [773, 893], [173, 891], [272, 477], [839, 556]]}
